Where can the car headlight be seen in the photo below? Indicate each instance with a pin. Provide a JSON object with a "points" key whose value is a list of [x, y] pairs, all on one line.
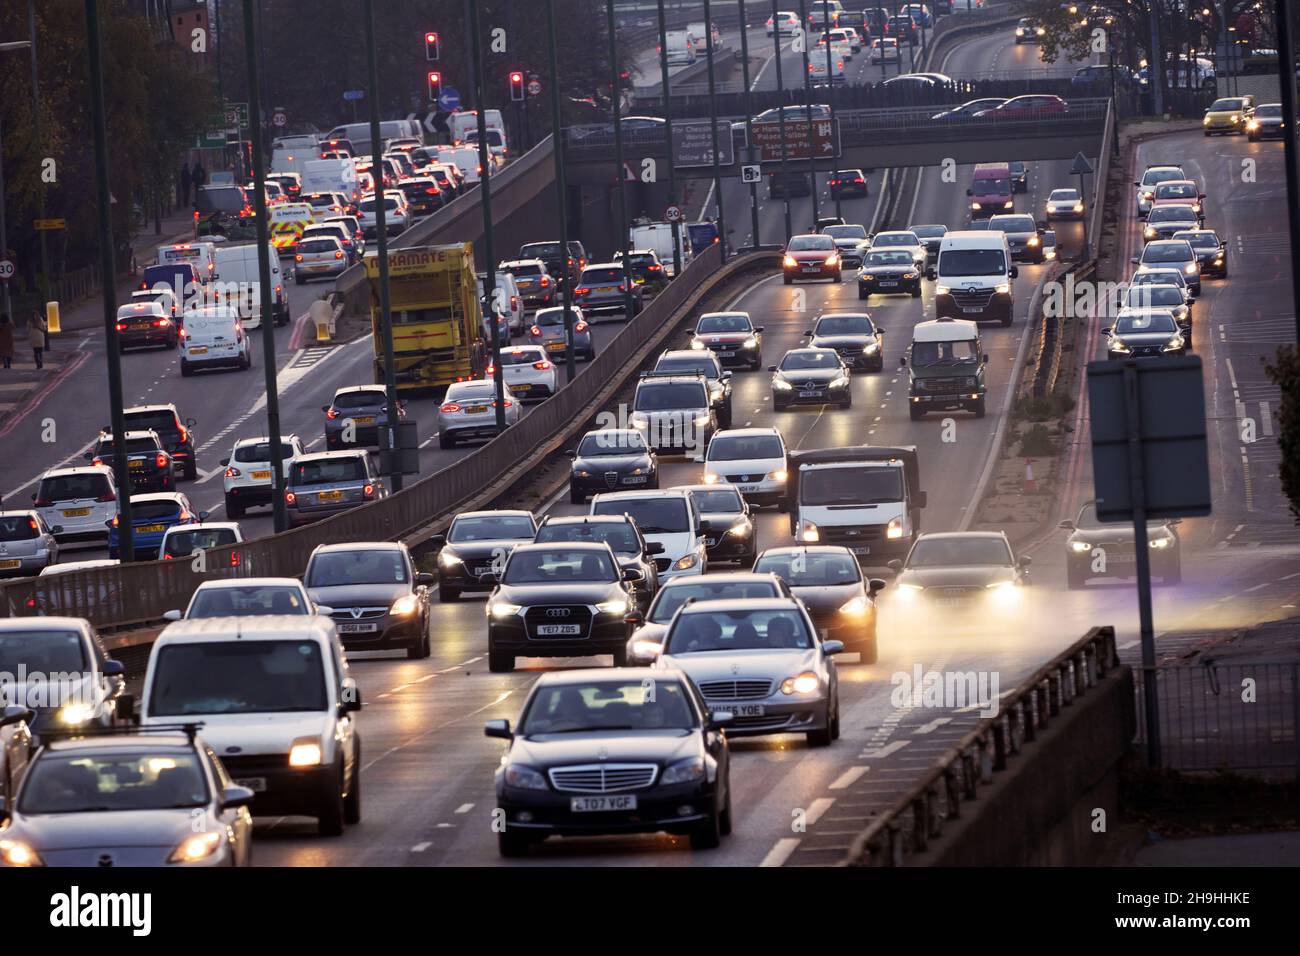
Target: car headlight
{"points": [[909, 275], [1078, 207], [448, 559], [697, 344], [778, 475], [525, 778], [710, 478], [908, 591], [1252, 124], [1118, 345], [1174, 344], [503, 609], [854, 606], [1080, 547], [1003, 591], [74, 715], [305, 752], [839, 381], [866, 277], [1003, 288], [582, 473], [1218, 260], [647, 648], [684, 771], [17, 853], [941, 290], [740, 529], [1009, 204], [751, 343], [1032, 241], [200, 846], [1235, 118], [616, 606], [1206, 121], [781, 383], [809, 532], [832, 260], [1190, 268], [404, 605], [805, 683], [976, 205], [789, 262], [871, 347], [686, 562], [894, 530], [1161, 544], [1149, 232]]}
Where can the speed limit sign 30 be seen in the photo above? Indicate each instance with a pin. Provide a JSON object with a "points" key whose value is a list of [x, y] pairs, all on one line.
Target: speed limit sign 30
{"points": [[7, 270]]}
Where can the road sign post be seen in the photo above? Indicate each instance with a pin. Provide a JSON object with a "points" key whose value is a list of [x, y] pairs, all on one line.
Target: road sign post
{"points": [[1082, 168], [1150, 462], [693, 143], [818, 139]]}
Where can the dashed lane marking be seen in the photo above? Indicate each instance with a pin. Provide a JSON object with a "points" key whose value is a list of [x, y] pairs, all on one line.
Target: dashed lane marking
{"points": [[848, 778], [781, 852]]}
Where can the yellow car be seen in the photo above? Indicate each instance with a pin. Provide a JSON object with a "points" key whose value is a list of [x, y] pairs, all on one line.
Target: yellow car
{"points": [[1228, 115]]}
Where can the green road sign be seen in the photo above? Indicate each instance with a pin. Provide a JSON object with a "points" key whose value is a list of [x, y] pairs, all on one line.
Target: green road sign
{"points": [[214, 133], [236, 116]]}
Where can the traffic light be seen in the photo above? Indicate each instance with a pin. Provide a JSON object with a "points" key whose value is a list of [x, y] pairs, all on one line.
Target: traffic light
{"points": [[431, 46], [435, 86], [516, 85]]}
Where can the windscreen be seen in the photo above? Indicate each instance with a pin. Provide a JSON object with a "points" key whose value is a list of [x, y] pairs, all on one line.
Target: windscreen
{"points": [[18, 528], [114, 781], [1145, 322], [559, 566], [346, 400], [1153, 177], [743, 447], [491, 528], [318, 245], [955, 263], [723, 323], [929, 232], [237, 677], [608, 705], [750, 630], [652, 515], [47, 652], [1268, 111], [812, 569], [1064, 195], [845, 232], [618, 535], [689, 363], [324, 471], [886, 258], [181, 544], [154, 510], [522, 357], [811, 244], [1171, 252], [609, 444], [671, 599], [1177, 213], [590, 276], [1200, 240], [1176, 191], [1224, 105], [991, 187], [667, 396], [261, 452], [74, 486], [851, 324], [1014, 224], [245, 600], [809, 362], [958, 552], [1155, 295], [854, 485], [943, 353], [372, 566]]}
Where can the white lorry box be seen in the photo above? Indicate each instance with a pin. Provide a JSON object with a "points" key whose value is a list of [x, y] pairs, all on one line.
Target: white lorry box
{"points": [[331, 176], [238, 284], [659, 237]]}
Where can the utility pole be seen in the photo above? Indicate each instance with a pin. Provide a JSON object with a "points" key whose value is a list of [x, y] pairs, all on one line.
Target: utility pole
{"points": [[808, 95], [780, 117], [1286, 77], [830, 98], [616, 97], [749, 115], [668, 131], [713, 127], [1156, 64], [562, 195]]}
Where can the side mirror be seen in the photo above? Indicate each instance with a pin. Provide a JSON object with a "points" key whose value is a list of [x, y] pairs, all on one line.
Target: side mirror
{"points": [[498, 728], [758, 328], [324, 408], [832, 647], [1024, 561], [1066, 525], [16, 714], [718, 719], [438, 540], [654, 547], [969, 193], [203, 515], [225, 461], [1105, 330], [173, 615], [234, 797], [726, 375], [113, 668], [324, 610], [771, 368], [571, 453], [984, 359], [631, 574], [690, 331], [1014, 272], [895, 565], [56, 529], [875, 586], [1041, 224], [88, 456], [424, 579], [902, 361], [1135, 260]]}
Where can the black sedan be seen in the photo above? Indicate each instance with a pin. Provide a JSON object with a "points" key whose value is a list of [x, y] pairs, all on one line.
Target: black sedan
{"points": [[378, 600], [560, 600], [622, 534], [974, 574], [607, 751], [846, 183], [931, 236], [810, 377], [889, 272], [857, 339], [148, 464], [1097, 549], [730, 532], [611, 459], [474, 549], [1144, 332], [1211, 251]]}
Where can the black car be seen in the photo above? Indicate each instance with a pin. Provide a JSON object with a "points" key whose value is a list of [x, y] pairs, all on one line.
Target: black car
{"points": [[560, 600], [473, 552], [1144, 332], [354, 416], [903, 28], [176, 434], [550, 254], [377, 598], [645, 267], [1024, 236], [888, 272], [596, 751], [423, 196], [730, 532], [707, 362], [810, 377], [1211, 251], [149, 466], [828, 579], [1097, 549], [611, 459], [846, 183], [931, 236], [1019, 176], [853, 335], [788, 185], [963, 572], [622, 534]]}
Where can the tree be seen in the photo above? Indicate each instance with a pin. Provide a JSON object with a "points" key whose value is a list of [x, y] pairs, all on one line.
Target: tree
{"points": [[1284, 372]]}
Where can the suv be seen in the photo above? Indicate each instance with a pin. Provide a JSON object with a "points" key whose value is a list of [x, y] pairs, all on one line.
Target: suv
{"points": [[78, 501], [176, 436], [602, 286], [532, 280], [149, 467], [1090, 538], [670, 517], [247, 479], [674, 412], [947, 367], [549, 253], [1151, 178], [326, 483], [707, 363], [365, 407], [621, 533], [376, 595]]}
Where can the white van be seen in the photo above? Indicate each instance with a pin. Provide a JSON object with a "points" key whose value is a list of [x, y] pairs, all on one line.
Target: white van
{"points": [[305, 141], [461, 123], [680, 45], [358, 134], [975, 277], [201, 254], [214, 337], [465, 159], [239, 283], [659, 237], [277, 704], [292, 159], [331, 176]]}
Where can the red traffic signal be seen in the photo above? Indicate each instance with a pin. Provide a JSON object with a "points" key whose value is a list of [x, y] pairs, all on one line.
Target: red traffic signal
{"points": [[516, 85], [431, 46], [435, 86]]}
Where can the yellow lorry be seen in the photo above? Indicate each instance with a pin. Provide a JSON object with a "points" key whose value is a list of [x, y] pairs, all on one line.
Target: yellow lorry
{"points": [[437, 322]]}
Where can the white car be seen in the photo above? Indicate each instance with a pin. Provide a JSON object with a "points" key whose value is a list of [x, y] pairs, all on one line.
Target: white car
{"points": [[825, 74], [884, 50], [396, 215], [182, 541], [162, 294], [752, 459], [319, 257], [1064, 204], [247, 479], [841, 45], [786, 22], [214, 336], [469, 411], [65, 566], [1151, 178], [246, 597], [671, 518], [528, 372], [907, 241], [27, 544], [81, 500]]}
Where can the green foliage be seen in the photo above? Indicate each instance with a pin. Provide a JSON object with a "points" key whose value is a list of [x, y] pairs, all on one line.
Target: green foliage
{"points": [[1037, 442], [1284, 372], [1043, 409]]}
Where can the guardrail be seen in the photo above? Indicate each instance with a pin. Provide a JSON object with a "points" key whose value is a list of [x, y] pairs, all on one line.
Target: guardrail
{"points": [[919, 815], [137, 594]]}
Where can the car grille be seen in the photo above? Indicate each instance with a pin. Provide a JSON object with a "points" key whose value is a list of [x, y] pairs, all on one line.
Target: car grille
{"points": [[849, 351], [254, 765], [577, 614], [611, 479], [604, 778], [663, 564], [970, 300], [744, 479], [851, 536], [955, 593], [735, 689], [768, 723], [945, 384], [1147, 350], [827, 618], [343, 615]]}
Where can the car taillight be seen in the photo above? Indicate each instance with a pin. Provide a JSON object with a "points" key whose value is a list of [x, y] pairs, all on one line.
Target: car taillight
{"points": [[449, 407], [298, 257], [161, 460], [162, 323], [234, 559], [716, 239], [121, 326], [97, 460], [545, 283], [580, 327], [290, 497], [622, 287], [542, 365], [115, 521], [514, 302], [432, 190], [332, 413], [535, 330], [233, 472], [368, 491], [338, 254], [491, 370], [582, 290], [506, 404], [655, 268], [47, 502]]}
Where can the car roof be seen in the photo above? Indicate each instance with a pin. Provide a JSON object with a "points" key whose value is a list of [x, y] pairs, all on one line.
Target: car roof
{"points": [[945, 330], [258, 439], [163, 407], [567, 545], [129, 434], [635, 495], [139, 741], [326, 455], [717, 486], [249, 582], [172, 496], [1000, 535], [78, 470], [496, 513], [45, 624], [602, 265], [727, 605], [584, 674], [727, 577], [262, 627], [748, 432], [807, 549], [395, 546], [704, 354], [588, 519], [804, 349], [206, 526]]}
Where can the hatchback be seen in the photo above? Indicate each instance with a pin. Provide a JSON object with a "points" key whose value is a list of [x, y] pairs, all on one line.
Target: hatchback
{"points": [[528, 372], [355, 416], [79, 501], [548, 331], [319, 257], [326, 483], [468, 410], [27, 544], [151, 516], [145, 324]]}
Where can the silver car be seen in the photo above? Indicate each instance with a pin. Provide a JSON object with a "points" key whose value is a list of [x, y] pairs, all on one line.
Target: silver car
{"points": [[319, 256], [469, 410], [27, 544], [325, 483], [79, 500], [601, 288], [547, 331], [762, 661]]}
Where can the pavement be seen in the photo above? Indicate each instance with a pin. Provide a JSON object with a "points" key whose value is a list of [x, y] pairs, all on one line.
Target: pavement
{"points": [[1281, 848]]}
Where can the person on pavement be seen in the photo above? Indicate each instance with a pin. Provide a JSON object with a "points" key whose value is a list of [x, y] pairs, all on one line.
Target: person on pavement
{"points": [[199, 177], [6, 340], [36, 336], [183, 183]]}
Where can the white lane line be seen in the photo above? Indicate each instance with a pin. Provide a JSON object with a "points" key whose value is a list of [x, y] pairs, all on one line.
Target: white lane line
{"points": [[399, 687], [421, 680], [881, 752], [1257, 587], [932, 725], [1290, 576], [848, 778], [421, 847], [465, 808], [210, 473], [916, 194], [817, 809], [708, 197], [1266, 419], [1127, 644], [781, 852]]}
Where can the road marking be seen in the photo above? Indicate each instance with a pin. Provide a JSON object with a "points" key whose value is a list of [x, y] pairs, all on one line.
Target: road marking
{"points": [[210, 473], [932, 725], [1256, 587], [1266, 419], [465, 808], [1127, 644], [781, 852], [421, 680], [817, 809], [1290, 576], [421, 847], [848, 778], [881, 752]]}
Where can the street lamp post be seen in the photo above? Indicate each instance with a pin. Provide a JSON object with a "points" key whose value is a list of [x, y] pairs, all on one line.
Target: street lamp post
{"points": [[668, 132], [749, 124], [1286, 78], [562, 196], [780, 116], [807, 87], [36, 138], [616, 96], [830, 98], [713, 126]]}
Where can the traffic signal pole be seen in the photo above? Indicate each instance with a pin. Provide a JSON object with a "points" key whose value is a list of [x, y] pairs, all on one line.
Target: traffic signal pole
{"points": [[668, 131], [616, 96]]}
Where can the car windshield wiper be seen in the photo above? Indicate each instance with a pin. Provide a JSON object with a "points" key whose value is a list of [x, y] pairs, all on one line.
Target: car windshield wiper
{"points": [[587, 730]]}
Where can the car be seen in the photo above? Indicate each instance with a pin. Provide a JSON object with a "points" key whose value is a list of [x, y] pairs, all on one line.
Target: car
{"points": [[903, 29], [246, 481], [829, 581], [810, 376], [731, 336], [968, 574], [811, 257], [555, 261], [672, 769], [213, 336], [1138, 332], [705, 362], [673, 411], [1176, 254], [342, 229], [730, 533], [800, 113], [549, 332], [1028, 31], [144, 324], [602, 287], [1031, 106], [1097, 549], [931, 236], [473, 551], [669, 517], [151, 516], [133, 798], [884, 50], [1228, 115], [506, 302], [1152, 177], [1266, 123], [1064, 204], [849, 240], [27, 544], [188, 541], [1179, 192], [326, 204], [79, 501], [469, 410], [244, 597], [326, 483], [176, 433], [1166, 297], [149, 466], [920, 13], [1163, 275], [784, 22], [397, 215], [1019, 176], [533, 281], [63, 567], [1163, 221], [969, 109], [888, 272], [754, 460], [16, 747], [568, 599], [1024, 237], [645, 265], [377, 597], [760, 660], [317, 257], [355, 416], [607, 459], [910, 242], [621, 533], [277, 701], [1211, 251], [164, 296], [528, 372], [858, 340], [423, 196]]}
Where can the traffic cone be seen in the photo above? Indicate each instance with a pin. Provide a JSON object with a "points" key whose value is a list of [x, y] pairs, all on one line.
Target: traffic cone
{"points": [[1031, 486]]}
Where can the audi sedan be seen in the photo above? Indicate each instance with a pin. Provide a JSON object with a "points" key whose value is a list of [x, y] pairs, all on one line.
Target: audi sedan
{"points": [[609, 751], [472, 554], [1105, 549], [811, 257], [810, 377], [829, 581]]}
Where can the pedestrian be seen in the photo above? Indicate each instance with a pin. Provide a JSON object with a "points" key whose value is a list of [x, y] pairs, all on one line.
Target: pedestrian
{"points": [[36, 335], [183, 184], [199, 177], [6, 340]]}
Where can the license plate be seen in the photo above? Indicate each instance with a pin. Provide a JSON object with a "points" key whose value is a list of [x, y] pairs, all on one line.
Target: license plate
{"points": [[972, 310], [812, 268], [10, 564], [860, 549], [890, 283], [135, 464], [364, 420], [635, 480], [256, 784], [726, 353], [351, 627], [519, 386], [601, 804], [483, 570], [951, 602], [262, 474], [1120, 558], [555, 346], [475, 409], [741, 710], [548, 630], [76, 512], [198, 349], [329, 496], [606, 288], [710, 542], [151, 529], [746, 489], [810, 394]]}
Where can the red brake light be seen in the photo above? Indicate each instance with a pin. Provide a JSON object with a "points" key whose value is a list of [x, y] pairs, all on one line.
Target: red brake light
{"points": [[546, 281], [115, 522], [338, 254], [506, 404], [655, 268], [368, 491], [121, 326], [31, 523], [514, 302], [449, 407], [233, 472], [535, 330], [491, 370], [290, 497], [581, 291], [162, 323], [97, 460], [161, 460], [332, 413], [543, 365], [298, 258], [580, 327], [234, 559], [185, 435]]}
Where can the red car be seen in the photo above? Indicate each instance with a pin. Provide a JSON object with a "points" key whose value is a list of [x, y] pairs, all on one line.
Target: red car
{"points": [[1025, 107], [811, 257]]}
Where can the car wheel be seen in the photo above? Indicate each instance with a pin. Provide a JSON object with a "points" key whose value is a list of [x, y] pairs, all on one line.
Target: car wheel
{"points": [[186, 371], [512, 845], [724, 819], [1006, 322], [869, 649], [915, 413], [1075, 578], [707, 835], [330, 819], [576, 496], [838, 279], [234, 509], [448, 595], [863, 293], [848, 401], [835, 721], [778, 406], [978, 408], [420, 649], [788, 280], [620, 656], [821, 738], [916, 293], [500, 663], [446, 440], [352, 802]]}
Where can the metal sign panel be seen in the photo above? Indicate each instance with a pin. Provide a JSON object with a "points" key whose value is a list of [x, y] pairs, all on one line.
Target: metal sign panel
{"points": [[693, 144], [1167, 396], [803, 140]]}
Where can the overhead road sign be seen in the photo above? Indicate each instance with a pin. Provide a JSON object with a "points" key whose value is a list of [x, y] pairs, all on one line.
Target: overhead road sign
{"points": [[819, 139], [693, 144]]}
